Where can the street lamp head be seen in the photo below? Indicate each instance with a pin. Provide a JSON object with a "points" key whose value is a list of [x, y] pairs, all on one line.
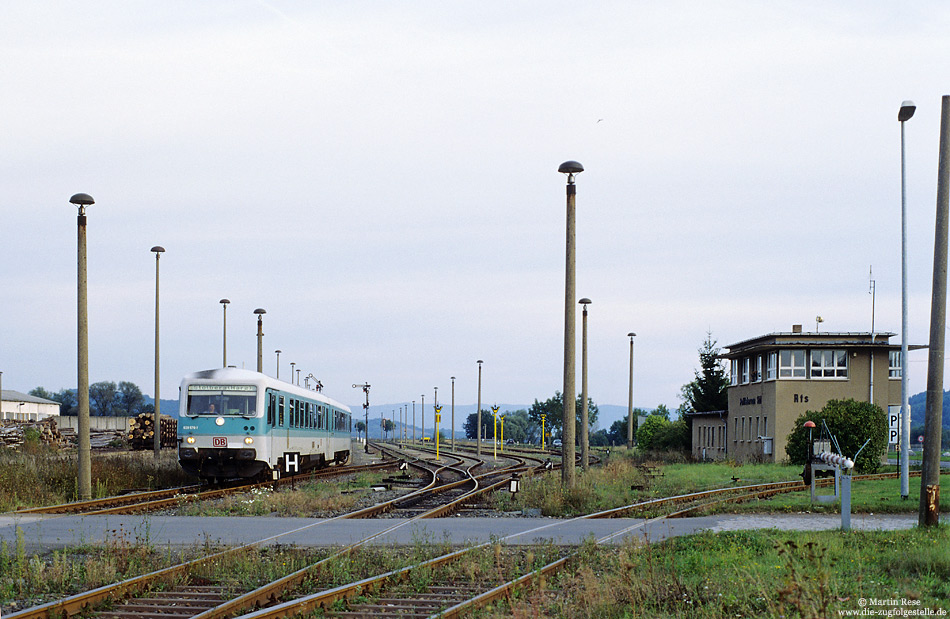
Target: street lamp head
{"points": [[278, 351], [585, 301], [810, 424], [631, 334], [224, 301], [158, 249], [907, 110], [479, 362], [82, 199], [260, 310], [570, 167]]}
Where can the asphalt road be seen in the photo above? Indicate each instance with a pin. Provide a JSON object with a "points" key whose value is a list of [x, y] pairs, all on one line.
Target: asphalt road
{"points": [[43, 533]]}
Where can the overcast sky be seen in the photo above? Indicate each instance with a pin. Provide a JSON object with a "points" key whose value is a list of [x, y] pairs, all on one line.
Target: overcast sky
{"points": [[381, 177]]}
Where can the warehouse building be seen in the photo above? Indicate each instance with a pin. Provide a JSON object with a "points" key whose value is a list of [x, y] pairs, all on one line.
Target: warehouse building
{"points": [[24, 407]]}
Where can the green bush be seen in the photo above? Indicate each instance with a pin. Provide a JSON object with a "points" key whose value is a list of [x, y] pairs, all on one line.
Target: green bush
{"points": [[660, 434], [852, 423]]}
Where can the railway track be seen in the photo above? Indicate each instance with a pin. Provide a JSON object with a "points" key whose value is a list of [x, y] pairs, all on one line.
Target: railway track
{"points": [[140, 502], [383, 594]]}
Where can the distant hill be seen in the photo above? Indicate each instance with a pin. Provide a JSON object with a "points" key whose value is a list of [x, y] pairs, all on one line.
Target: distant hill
{"points": [[918, 409], [168, 407]]}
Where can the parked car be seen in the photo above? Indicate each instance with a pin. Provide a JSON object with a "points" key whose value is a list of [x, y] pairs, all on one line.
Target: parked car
{"points": [[556, 443]]}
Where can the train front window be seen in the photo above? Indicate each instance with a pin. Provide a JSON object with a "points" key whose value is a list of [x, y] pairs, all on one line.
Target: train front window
{"points": [[219, 400]]}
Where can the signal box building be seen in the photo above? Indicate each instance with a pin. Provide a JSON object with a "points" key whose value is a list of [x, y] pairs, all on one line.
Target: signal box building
{"points": [[777, 377]]}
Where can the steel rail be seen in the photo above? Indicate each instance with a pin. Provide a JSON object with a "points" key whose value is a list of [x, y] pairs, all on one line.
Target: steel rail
{"points": [[159, 499]]}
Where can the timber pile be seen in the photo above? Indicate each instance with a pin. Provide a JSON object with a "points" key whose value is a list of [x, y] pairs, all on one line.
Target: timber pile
{"points": [[142, 431], [12, 432]]}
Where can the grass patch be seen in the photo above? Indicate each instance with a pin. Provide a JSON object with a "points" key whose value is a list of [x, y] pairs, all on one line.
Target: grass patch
{"points": [[766, 573], [308, 498], [623, 481], [49, 477]]}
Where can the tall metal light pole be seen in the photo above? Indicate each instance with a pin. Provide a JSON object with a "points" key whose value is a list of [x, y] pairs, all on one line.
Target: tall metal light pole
{"points": [[298, 377], [929, 514], [292, 365], [82, 200], [365, 388], [631, 335], [156, 416], [278, 351], [453, 413], [413, 421], [904, 114], [585, 445], [569, 394], [260, 339], [224, 306], [478, 444], [422, 407]]}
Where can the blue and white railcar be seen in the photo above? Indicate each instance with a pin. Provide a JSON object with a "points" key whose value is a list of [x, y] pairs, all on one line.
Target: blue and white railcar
{"points": [[239, 423]]}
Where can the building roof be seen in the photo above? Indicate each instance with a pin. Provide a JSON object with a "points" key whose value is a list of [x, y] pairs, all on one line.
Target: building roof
{"points": [[8, 395], [829, 339]]}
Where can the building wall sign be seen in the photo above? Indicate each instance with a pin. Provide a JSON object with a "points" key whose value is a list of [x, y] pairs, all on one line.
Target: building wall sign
{"points": [[748, 401], [799, 398]]}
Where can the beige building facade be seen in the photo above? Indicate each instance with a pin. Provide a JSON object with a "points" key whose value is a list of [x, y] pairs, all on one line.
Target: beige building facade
{"points": [[777, 377]]}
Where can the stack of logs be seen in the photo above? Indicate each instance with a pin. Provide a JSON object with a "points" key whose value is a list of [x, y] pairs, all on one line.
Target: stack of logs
{"points": [[142, 431], [12, 432]]}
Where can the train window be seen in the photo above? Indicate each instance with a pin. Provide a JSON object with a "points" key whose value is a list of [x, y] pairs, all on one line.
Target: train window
{"points": [[310, 414], [271, 405], [320, 417], [217, 400], [280, 409]]}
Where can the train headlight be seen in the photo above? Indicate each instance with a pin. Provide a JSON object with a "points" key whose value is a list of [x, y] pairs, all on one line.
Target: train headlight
{"points": [[219, 421], [190, 440], [248, 440]]}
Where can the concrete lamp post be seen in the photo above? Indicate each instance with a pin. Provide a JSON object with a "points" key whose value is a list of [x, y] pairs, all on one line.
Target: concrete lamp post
{"points": [[585, 444], [82, 200], [260, 338], [631, 335], [224, 306], [278, 364], [156, 416], [569, 392], [478, 419]]}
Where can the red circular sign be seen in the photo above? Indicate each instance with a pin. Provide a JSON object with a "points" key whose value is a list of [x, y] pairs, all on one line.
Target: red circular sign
{"points": [[920, 439]]}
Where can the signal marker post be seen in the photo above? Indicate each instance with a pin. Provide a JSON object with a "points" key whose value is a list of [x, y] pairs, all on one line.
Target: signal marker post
{"points": [[502, 434], [438, 420], [494, 438], [542, 431]]}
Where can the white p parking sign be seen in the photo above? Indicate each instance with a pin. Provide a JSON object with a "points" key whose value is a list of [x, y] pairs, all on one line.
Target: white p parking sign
{"points": [[893, 425]]}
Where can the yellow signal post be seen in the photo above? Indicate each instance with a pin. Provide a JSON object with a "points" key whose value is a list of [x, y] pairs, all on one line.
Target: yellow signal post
{"points": [[438, 419], [494, 438], [542, 431], [502, 434]]}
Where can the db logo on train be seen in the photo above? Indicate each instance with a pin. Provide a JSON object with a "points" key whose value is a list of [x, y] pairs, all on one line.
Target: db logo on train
{"points": [[219, 441]]}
